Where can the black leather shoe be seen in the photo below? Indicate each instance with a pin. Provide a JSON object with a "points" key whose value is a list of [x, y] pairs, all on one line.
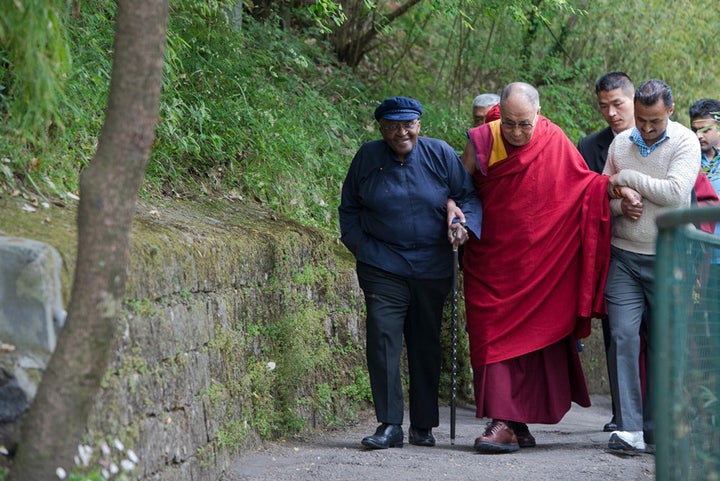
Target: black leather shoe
{"points": [[611, 426], [421, 437], [386, 436]]}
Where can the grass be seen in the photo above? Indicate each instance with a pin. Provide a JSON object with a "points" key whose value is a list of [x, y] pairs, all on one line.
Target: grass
{"points": [[248, 113]]}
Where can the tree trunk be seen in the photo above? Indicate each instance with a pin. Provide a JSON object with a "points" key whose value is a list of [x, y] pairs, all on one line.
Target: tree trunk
{"points": [[57, 420], [356, 36]]}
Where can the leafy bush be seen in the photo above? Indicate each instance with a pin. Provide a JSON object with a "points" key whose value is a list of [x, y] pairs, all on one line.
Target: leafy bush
{"points": [[253, 110], [246, 120], [248, 112]]}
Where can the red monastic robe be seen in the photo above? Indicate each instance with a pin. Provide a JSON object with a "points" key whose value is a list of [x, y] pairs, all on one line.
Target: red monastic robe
{"points": [[537, 274]]}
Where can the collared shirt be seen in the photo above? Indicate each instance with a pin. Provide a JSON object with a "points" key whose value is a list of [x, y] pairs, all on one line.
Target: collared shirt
{"points": [[711, 167], [392, 213], [643, 147]]}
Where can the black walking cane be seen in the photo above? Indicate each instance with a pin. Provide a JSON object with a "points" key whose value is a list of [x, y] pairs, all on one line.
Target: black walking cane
{"points": [[453, 343]]}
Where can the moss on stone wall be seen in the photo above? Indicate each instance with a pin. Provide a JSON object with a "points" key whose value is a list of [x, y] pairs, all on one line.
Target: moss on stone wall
{"points": [[238, 326]]}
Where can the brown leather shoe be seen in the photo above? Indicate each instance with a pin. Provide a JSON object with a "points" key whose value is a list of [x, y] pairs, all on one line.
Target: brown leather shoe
{"points": [[522, 432], [498, 438]]}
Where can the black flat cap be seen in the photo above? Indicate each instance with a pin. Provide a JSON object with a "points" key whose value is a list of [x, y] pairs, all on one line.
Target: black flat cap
{"points": [[399, 108]]}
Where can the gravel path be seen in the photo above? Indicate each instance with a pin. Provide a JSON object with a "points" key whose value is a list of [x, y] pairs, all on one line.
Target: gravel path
{"points": [[575, 449]]}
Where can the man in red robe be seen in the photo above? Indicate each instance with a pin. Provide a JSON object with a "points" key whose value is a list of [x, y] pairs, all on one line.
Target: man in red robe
{"points": [[535, 278]]}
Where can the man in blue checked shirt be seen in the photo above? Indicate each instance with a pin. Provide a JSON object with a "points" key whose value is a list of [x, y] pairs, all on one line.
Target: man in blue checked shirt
{"points": [[659, 159]]}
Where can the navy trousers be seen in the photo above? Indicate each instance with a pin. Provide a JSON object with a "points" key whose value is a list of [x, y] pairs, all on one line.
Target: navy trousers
{"points": [[400, 307]]}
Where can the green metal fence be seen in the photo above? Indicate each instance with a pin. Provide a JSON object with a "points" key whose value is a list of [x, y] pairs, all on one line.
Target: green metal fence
{"points": [[685, 369]]}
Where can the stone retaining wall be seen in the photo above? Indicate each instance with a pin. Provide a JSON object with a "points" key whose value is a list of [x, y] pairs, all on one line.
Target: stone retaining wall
{"points": [[232, 322], [237, 325]]}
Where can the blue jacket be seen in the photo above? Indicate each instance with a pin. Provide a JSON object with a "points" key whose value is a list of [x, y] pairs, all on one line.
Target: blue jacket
{"points": [[392, 214]]}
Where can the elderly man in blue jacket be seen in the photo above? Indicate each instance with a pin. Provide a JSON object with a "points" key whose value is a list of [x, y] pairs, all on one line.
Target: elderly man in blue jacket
{"points": [[393, 219]]}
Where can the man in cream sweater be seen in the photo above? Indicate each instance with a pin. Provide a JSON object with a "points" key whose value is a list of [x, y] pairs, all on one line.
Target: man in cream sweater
{"points": [[660, 159]]}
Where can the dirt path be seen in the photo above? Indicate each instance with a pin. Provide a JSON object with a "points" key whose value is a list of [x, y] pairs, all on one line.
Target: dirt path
{"points": [[575, 449]]}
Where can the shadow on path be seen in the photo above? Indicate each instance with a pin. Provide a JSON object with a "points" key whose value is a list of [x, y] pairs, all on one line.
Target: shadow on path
{"points": [[575, 449]]}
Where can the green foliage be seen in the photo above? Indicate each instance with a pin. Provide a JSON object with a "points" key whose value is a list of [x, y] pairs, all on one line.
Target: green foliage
{"points": [[265, 417], [255, 112], [338, 401], [35, 59], [359, 389], [671, 41], [142, 307], [243, 116], [76, 97], [326, 14], [232, 434]]}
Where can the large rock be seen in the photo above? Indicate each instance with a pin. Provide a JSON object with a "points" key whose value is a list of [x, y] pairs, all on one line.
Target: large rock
{"points": [[31, 314]]}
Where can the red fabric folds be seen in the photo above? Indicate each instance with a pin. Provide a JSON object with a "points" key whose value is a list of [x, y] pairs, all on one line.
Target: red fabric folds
{"points": [[551, 378], [493, 113], [537, 274], [482, 136], [706, 196]]}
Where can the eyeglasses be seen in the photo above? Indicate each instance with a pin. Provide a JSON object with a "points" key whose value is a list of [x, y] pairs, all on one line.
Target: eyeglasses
{"points": [[525, 126], [394, 127]]}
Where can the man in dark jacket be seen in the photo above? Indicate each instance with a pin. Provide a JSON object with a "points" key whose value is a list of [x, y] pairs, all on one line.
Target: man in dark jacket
{"points": [[393, 220], [615, 93]]}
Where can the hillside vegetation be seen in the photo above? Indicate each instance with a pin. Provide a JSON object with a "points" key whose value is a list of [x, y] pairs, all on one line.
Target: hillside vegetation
{"points": [[248, 112], [257, 107]]}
